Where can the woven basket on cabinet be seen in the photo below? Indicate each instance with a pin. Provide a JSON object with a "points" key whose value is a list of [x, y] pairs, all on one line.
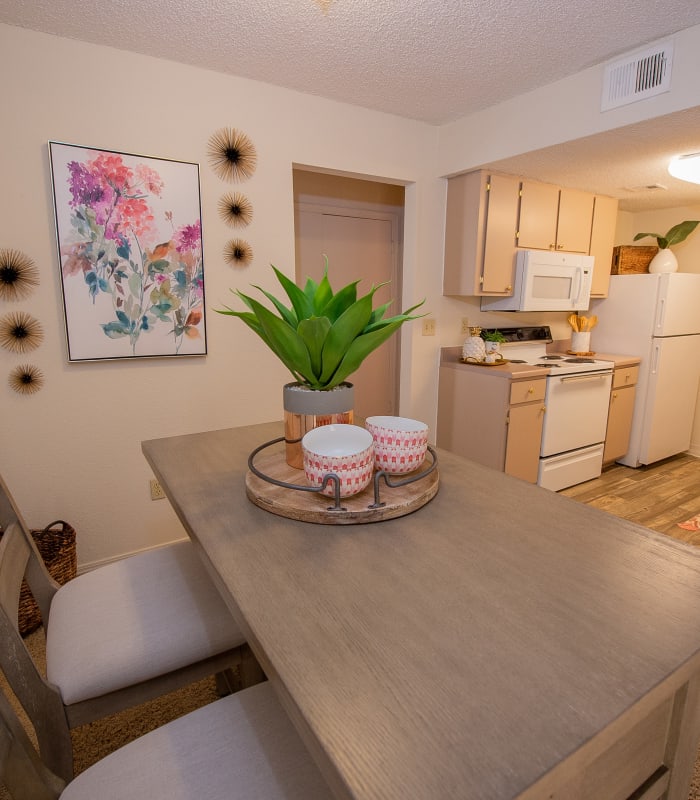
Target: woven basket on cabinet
{"points": [[56, 545]]}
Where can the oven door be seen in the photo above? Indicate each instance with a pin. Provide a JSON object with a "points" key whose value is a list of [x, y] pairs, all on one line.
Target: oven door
{"points": [[576, 411]]}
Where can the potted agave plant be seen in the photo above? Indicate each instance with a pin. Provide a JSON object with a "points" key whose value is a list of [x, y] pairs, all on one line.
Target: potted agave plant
{"points": [[665, 260], [322, 337]]}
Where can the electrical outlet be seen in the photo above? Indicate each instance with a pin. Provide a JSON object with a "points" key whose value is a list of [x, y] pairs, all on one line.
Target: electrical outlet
{"points": [[428, 327], [465, 326], [157, 492]]}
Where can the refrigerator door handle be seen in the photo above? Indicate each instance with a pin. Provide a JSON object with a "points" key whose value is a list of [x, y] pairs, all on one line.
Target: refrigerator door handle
{"points": [[661, 314], [655, 359]]}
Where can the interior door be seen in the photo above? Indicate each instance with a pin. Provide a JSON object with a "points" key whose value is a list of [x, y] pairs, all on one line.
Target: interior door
{"points": [[360, 246]]}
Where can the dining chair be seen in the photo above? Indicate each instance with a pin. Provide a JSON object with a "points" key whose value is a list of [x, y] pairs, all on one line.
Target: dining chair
{"points": [[116, 636], [240, 747]]}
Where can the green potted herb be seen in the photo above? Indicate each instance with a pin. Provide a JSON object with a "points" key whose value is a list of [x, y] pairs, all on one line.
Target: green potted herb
{"points": [[665, 260], [493, 341]]}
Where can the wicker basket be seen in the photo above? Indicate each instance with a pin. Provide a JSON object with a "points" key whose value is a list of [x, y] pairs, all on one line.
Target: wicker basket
{"points": [[631, 259], [56, 544]]}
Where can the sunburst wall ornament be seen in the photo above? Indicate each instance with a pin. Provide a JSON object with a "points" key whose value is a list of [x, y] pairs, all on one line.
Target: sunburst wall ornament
{"points": [[236, 210], [238, 253], [18, 274], [26, 379], [20, 332], [232, 155]]}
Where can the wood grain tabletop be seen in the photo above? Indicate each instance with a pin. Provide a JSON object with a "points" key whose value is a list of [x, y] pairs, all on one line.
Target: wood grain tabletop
{"points": [[467, 650]]}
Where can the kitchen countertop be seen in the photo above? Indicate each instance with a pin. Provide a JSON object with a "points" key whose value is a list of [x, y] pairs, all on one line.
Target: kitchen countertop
{"points": [[450, 358]]}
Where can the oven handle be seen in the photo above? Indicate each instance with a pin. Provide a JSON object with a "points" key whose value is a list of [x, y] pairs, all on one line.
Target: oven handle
{"points": [[593, 377]]}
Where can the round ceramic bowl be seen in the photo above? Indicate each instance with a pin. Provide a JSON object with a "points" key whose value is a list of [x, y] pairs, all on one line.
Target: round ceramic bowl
{"points": [[346, 450], [400, 443]]}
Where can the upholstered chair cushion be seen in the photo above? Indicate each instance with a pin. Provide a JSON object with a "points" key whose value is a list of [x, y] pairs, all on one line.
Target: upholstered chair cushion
{"points": [[242, 747], [114, 627]]}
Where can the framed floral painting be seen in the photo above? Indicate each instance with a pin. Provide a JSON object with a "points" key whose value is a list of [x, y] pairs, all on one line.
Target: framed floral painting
{"points": [[129, 234]]}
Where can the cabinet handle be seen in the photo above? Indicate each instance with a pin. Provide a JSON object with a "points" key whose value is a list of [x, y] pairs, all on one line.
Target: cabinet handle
{"points": [[560, 247], [614, 395], [509, 288], [530, 390]]}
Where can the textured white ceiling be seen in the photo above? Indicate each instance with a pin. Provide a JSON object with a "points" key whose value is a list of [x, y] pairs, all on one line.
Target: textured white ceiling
{"points": [[420, 59]]}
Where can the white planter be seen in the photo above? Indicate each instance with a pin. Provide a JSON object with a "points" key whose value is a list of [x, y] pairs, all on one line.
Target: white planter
{"points": [[581, 342], [664, 261]]}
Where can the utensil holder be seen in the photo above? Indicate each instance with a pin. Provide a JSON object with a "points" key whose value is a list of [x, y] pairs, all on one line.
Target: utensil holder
{"points": [[581, 342]]}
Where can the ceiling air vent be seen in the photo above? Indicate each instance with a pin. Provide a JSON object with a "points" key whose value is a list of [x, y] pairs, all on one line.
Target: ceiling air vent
{"points": [[638, 76]]}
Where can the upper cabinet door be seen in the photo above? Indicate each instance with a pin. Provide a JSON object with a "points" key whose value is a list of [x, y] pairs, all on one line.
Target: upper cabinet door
{"points": [[539, 206], [575, 220], [602, 243], [497, 274]]}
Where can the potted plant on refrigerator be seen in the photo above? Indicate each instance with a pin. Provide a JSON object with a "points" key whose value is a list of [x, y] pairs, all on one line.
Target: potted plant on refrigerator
{"points": [[322, 337], [665, 260]]}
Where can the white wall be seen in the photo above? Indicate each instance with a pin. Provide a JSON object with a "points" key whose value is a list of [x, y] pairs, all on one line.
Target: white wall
{"points": [[73, 449]]}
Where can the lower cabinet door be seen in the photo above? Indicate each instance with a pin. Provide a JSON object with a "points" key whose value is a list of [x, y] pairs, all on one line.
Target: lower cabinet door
{"points": [[617, 438], [523, 442]]}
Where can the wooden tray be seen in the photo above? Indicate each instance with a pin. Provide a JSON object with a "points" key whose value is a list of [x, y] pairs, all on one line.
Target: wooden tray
{"points": [[316, 507], [484, 363]]}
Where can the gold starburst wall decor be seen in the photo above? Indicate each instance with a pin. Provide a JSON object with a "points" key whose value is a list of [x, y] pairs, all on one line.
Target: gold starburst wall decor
{"points": [[20, 332], [236, 210], [238, 253], [18, 274], [26, 379], [232, 155]]}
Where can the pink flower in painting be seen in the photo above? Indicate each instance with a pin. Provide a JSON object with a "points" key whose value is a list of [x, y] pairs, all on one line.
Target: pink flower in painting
{"points": [[150, 179], [115, 193], [188, 238]]}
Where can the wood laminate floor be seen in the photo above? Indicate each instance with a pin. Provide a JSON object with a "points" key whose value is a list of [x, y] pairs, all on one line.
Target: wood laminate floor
{"points": [[658, 496]]}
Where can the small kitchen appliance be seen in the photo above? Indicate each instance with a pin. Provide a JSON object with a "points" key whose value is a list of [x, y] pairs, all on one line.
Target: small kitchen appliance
{"points": [[547, 281], [576, 406]]}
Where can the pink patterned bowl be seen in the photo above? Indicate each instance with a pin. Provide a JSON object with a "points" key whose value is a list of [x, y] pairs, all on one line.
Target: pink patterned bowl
{"points": [[345, 450], [400, 443]]}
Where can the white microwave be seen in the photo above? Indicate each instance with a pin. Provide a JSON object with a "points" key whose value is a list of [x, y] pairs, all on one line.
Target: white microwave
{"points": [[547, 281]]}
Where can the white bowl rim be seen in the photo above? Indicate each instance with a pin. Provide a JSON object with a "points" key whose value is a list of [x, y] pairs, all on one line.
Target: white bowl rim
{"points": [[337, 441], [397, 423]]}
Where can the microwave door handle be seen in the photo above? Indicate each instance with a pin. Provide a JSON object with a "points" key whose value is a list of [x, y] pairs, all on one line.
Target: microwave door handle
{"points": [[577, 293]]}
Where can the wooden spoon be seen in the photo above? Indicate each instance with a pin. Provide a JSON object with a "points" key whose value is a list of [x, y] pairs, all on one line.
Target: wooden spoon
{"points": [[592, 322], [573, 321]]}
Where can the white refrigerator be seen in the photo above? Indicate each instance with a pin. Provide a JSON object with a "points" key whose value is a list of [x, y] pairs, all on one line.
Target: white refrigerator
{"points": [[656, 317]]}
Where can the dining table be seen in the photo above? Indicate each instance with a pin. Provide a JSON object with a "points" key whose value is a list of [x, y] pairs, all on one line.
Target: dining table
{"points": [[500, 641]]}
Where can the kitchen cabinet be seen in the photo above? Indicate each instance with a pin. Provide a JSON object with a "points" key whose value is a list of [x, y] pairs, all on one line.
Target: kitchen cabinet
{"points": [[480, 230], [525, 420], [622, 398], [490, 216], [490, 416], [602, 242], [554, 218]]}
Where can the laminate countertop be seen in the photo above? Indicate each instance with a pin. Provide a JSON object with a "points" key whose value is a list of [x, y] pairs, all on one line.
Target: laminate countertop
{"points": [[500, 642]]}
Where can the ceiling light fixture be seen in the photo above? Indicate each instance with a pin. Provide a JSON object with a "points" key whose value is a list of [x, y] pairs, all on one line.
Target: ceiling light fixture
{"points": [[686, 168]]}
